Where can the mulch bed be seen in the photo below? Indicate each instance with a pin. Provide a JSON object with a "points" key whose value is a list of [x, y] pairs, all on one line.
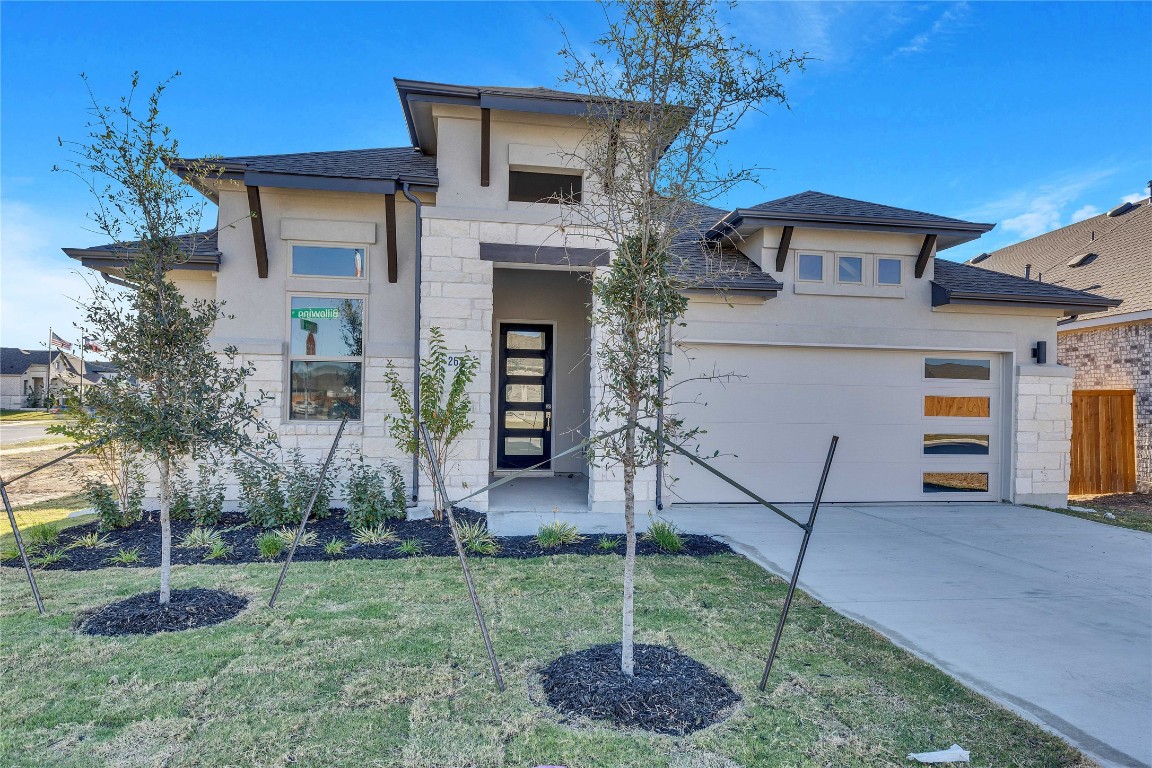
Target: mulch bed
{"points": [[1139, 503], [241, 538], [670, 693], [143, 614]]}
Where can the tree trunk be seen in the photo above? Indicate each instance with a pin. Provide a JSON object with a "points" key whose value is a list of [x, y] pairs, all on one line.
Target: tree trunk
{"points": [[165, 530], [627, 666]]}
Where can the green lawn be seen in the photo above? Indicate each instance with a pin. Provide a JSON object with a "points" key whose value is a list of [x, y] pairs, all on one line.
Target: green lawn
{"points": [[7, 415], [1121, 518], [380, 664], [52, 511]]}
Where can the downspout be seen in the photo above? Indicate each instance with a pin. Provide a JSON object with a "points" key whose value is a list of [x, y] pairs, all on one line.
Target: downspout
{"points": [[416, 346], [660, 421]]}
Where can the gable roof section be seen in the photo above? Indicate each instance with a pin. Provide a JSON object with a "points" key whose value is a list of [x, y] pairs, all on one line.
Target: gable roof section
{"points": [[418, 96], [200, 251], [955, 283], [15, 361], [1122, 267], [379, 170], [703, 264], [822, 211]]}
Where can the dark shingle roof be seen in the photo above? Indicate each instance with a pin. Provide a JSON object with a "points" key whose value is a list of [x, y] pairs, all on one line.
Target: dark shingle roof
{"points": [[200, 249], [383, 163], [704, 263], [818, 203], [15, 361], [954, 282], [1122, 268]]}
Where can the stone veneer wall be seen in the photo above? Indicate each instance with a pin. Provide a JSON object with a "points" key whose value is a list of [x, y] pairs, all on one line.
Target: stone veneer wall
{"points": [[1117, 357], [1043, 435]]}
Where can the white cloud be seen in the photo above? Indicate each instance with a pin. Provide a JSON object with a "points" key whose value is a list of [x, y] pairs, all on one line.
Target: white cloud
{"points": [[944, 24], [1087, 212], [39, 285], [1041, 207], [1134, 198]]}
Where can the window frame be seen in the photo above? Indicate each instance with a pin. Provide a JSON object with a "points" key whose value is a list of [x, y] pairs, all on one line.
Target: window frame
{"points": [[900, 265], [823, 272], [577, 199], [290, 357], [863, 268], [316, 244]]}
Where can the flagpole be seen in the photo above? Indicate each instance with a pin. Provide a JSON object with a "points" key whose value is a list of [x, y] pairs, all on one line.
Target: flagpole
{"points": [[48, 388], [83, 347]]}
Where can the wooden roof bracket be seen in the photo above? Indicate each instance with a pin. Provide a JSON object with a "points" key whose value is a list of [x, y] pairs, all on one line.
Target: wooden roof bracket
{"points": [[925, 253], [782, 250], [258, 238], [390, 233], [485, 145]]}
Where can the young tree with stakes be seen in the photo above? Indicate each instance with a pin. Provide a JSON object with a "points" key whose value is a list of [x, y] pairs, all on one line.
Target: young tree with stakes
{"points": [[665, 84], [174, 396]]}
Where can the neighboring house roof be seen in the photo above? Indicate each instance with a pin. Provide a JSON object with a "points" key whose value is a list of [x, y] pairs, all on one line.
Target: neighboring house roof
{"points": [[378, 170], [15, 361], [955, 283], [200, 250], [1121, 266], [715, 264], [823, 211]]}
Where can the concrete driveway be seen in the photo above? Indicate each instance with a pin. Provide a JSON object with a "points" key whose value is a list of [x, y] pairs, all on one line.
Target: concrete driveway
{"points": [[1047, 614]]}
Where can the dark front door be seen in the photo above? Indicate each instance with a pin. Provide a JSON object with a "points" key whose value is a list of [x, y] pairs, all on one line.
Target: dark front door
{"points": [[524, 429]]}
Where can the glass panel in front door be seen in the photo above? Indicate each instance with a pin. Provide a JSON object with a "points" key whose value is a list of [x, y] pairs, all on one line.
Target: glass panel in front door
{"points": [[524, 418]]}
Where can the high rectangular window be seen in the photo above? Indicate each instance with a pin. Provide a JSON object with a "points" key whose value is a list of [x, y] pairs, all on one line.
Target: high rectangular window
{"points": [[534, 187], [326, 353], [940, 444], [957, 407], [850, 269], [328, 261], [810, 267], [957, 368], [955, 482], [888, 271]]}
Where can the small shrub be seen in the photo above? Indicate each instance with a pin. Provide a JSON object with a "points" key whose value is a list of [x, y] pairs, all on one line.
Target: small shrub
{"points": [[375, 535], [201, 537], [181, 505], [43, 535], [93, 540], [261, 494], [335, 547], [102, 498], [125, 556], [49, 557], [665, 536], [299, 486], [270, 545], [608, 543], [557, 534], [288, 535], [410, 547], [219, 551], [373, 496], [207, 496], [477, 539]]}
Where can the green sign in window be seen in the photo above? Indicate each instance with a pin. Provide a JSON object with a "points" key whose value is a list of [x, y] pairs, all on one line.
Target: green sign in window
{"points": [[316, 313]]}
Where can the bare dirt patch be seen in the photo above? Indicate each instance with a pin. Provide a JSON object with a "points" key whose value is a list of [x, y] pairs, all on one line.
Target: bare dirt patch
{"points": [[59, 480]]}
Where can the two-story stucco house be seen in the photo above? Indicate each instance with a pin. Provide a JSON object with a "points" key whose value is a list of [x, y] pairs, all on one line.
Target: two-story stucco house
{"points": [[839, 320]]}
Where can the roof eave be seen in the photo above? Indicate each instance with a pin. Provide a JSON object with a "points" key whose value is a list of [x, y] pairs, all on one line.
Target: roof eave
{"points": [[101, 260], [942, 296], [743, 221]]}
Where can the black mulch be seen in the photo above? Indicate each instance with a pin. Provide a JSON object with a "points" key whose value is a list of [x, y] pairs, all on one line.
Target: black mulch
{"points": [[670, 692], [143, 615], [435, 539]]}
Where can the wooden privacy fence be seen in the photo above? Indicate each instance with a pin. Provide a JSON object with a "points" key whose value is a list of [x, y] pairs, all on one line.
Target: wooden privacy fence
{"points": [[1103, 442]]}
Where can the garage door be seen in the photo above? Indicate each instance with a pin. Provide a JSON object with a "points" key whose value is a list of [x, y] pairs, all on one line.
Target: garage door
{"points": [[913, 426]]}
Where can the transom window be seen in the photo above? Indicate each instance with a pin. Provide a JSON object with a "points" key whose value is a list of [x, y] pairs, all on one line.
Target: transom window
{"points": [[537, 187], [850, 269], [326, 358], [329, 261], [810, 267], [888, 271], [957, 368]]}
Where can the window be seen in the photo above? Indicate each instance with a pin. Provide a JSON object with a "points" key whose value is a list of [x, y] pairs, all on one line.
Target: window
{"points": [[957, 368], [955, 482], [955, 445], [533, 187], [850, 269], [888, 271], [326, 353], [957, 407], [810, 266], [328, 261]]}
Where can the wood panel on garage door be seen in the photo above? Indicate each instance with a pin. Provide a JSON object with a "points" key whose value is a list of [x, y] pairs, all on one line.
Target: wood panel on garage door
{"points": [[1103, 442]]}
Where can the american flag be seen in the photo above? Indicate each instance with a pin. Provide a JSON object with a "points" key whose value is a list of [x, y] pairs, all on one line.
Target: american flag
{"points": [[92, 345], [56, 341]]}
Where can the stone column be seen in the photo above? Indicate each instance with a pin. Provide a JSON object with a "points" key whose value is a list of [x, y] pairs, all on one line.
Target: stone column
{"points": [[1043, 435]]}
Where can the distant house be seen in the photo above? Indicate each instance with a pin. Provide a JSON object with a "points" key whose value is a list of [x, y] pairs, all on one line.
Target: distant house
{"points": [[1111, 349], [24, 374]]}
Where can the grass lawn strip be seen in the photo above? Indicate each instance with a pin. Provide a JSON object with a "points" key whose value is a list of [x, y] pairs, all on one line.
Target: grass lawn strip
{"points": [[55, 511], [379, 663], [1128, 510], [8, 416]]}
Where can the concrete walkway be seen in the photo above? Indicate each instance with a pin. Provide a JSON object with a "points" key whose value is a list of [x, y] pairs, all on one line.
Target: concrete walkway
{"points": [[1047, 614]]}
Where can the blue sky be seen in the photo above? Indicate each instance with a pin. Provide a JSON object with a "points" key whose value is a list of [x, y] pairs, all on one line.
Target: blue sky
{"points": [[1029, 115]]}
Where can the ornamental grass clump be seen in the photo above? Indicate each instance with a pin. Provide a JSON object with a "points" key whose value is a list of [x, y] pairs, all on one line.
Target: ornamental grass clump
{"points": [[269, 545], [665, 536], [476, 538], [373, 535], [557, 534]]}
